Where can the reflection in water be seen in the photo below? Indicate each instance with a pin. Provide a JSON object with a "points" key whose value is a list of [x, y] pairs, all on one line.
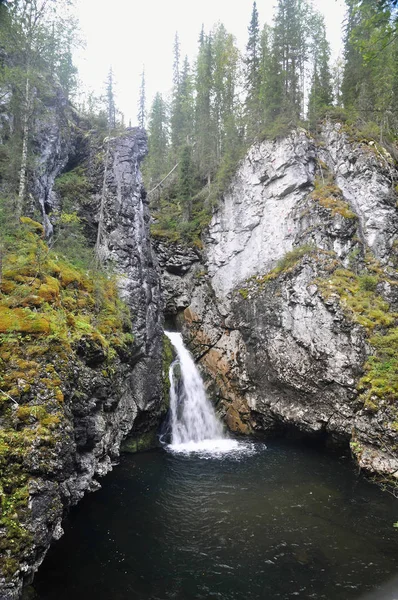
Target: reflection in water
{"points": [[277, 523]]}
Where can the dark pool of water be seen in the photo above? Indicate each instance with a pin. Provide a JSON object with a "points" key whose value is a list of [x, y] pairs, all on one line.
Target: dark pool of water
{"points": [[286, 522]]}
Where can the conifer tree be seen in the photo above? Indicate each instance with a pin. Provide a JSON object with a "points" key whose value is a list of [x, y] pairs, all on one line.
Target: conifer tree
{"points": [[187, 104], [158, 141], [270, 81], [186, 182], [205, 148], [321, 86], [253, 75], [176, 117], [225, 61], [370, 65], [110, 100], [290, 49], [141, 117]]}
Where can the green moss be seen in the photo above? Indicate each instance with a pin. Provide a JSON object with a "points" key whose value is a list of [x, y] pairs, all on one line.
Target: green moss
{"points": [[48, 308], [256, 283], [361, 302], [367, 283], [290, 259], [244, 293], [328, 195]]}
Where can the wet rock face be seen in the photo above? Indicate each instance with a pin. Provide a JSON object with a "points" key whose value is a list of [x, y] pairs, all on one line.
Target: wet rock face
{"points": [[277, 351], [53, 141], [302, 356]]}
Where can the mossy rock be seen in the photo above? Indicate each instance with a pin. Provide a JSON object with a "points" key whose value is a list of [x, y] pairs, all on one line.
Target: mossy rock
{"points": [[49, 310], [22, 320], [33, 225]]}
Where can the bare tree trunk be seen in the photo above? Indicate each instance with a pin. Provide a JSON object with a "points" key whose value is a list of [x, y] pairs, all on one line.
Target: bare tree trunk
{"points": [[24, 155], [98, 257]]}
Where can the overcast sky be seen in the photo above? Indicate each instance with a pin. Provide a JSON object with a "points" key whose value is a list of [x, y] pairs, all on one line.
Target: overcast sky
{"points": [[128, 34]]}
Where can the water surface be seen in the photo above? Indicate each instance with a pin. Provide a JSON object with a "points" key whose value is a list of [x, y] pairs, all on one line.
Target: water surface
{"points": [[278, 522]]}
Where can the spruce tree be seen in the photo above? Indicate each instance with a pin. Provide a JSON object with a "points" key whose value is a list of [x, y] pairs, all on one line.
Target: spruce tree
{"points": [[176, 116], [290, 52], [110, 100], [253, 75], [353, 68], [158, 141], [141, 117], [187, 104], [321, 94], [225, 63], [205, 147]]}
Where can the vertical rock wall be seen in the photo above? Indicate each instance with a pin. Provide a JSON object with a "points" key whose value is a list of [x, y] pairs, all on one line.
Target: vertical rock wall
{"points": [[302, 220], [104, 397], [126, 245]]}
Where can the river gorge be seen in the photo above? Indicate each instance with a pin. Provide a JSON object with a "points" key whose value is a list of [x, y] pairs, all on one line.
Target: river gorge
{"points": [[288, 308]]}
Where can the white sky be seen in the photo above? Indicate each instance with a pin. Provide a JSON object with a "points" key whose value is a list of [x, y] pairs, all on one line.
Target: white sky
{"points": [[128, 34]]}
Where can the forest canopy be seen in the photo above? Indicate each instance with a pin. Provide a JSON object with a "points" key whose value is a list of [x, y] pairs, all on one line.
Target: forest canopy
{"points": [[227, 99]]}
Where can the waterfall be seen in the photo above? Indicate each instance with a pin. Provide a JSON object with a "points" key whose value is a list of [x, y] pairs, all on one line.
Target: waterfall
{"points": [[193, 421]]}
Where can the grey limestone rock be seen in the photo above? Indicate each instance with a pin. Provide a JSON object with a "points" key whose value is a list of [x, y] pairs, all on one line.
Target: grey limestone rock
{"points": [[278, 351]]}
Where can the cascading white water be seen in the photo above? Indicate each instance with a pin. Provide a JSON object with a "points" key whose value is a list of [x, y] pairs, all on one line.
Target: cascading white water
{"points": [[194, 424], [192, 416]]}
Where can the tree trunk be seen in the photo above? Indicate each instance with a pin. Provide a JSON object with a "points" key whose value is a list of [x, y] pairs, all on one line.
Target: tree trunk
{"points": [[98, 251], [24, 155]]}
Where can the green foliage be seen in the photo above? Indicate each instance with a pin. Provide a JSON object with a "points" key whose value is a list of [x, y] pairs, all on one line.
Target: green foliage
{"points": [[252, 62], [69, 239], [74, 191], [157, 163], [73, 187], [169, 221], [370, 71], [321, 95], [367, 283], [280, 127]]}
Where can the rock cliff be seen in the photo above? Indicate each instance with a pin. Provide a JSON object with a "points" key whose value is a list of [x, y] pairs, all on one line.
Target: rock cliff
{"points": [[80, 370], [293, 314]]}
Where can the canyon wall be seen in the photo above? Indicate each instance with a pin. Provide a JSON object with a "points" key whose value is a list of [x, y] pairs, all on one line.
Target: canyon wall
{"points": [[70, 398], [291, 312]]}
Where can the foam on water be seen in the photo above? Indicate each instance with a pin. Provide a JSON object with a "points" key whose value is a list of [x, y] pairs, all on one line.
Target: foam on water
{"points": [[218, 448]]}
